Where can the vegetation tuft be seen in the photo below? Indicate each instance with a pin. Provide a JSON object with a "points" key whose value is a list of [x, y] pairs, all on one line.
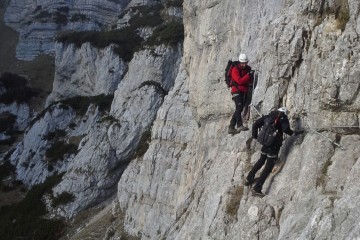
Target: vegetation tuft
{"points": [[43, 14], [7, 121], [78, 17], [58, 133], [25, 219], [16, 89], [339, 8], [38, 8], [320, 181], [128, 42], [60, 18], [127, 39], [342, 14], [81, 103], [170, 33], [146, 16], [174, 3], [62, 199], [58, 150], [6, 169], [157, 86], [233, 203]]}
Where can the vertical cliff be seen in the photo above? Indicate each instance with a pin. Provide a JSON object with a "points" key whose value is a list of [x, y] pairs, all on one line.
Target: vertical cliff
{"points": [[191, 178], [110, 80], [152, 121]]}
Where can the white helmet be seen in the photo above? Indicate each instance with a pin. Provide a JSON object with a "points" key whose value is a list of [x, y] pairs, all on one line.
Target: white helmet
{"points": [[243, 58], [284, 110]]}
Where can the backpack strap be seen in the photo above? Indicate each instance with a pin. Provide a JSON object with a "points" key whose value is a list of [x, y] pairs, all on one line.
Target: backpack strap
{"points": [[277, 119]]}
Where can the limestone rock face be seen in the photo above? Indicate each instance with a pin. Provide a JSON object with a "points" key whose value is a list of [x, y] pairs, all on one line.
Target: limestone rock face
{"points": [[38, 22], [85, 72], [22, 112], [107, 148], [163, 140], [104, 141], [87, 139], [191, 178]]}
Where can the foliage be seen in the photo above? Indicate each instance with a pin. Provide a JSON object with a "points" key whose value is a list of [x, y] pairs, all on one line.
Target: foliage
{"points": [[38, 8], [232, 205], [109, 118], [6, 169], [81, 103], [146, 16], [320, 181], [7, 121], [55, 134], [170, 33], [174, 3], [339, 8], [16, 89], [78, 17], [62, 199], [8, 141], [43, 14], [63, 9], [58, 150], [157, 86], [10, 80], [60, 18], [127, 40], [342, 14], [24, 220]]}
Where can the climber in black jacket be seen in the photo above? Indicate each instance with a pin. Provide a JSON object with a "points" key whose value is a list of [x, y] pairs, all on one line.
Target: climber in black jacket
{"points": [[270, 153]]}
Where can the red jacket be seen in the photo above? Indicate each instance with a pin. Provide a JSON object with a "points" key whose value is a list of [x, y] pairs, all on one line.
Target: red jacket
{"points": [[241, 77]]}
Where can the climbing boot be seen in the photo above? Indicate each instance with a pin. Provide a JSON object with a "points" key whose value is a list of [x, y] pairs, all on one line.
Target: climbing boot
{"points": [[258, 193], [242, 128], [232, 130], [248, 183]]}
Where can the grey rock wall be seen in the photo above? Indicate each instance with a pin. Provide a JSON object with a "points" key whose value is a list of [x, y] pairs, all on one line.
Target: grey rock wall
{"points": [[105, 141], [85, 72], [189, 183], [191, 178]]}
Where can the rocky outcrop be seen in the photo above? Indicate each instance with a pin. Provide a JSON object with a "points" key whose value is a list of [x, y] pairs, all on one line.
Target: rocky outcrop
{"points": [[99, 114], [191, 178], [94, 143], [39, 23], [107, 148], [87, 71]]}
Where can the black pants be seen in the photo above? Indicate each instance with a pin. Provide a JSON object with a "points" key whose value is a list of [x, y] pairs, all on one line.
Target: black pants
{"points": [[239, 100], [268, 156], [246, 109]]}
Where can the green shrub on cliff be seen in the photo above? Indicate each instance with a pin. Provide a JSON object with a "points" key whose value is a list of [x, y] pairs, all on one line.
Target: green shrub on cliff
{"points": [[16, 89], [25, 219]]}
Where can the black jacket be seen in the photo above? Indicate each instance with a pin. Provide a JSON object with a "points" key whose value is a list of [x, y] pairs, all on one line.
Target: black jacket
{"points": [[282, 125]]}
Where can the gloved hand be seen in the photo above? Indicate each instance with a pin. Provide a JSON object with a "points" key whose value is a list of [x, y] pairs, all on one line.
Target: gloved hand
{"points": [[297, 132]]}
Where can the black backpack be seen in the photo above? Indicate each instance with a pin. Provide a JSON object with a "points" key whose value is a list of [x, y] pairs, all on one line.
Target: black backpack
{"points": [[231, 64], [229, 67], [268, 133]]}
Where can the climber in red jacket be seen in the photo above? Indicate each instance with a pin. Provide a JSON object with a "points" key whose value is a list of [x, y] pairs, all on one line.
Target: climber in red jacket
{"points": [[241, 79]]}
